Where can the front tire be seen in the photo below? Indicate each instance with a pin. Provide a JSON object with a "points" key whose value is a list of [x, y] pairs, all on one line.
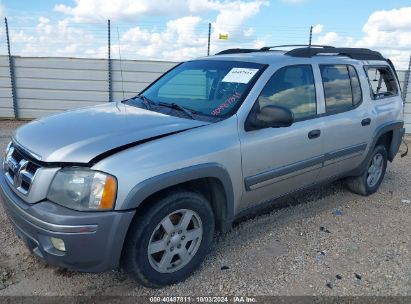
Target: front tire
{"points": [[369, 182], [169, 239]]}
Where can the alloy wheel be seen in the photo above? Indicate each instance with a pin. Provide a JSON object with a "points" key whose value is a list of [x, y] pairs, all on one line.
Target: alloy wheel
{"points": [[375, 170], [175, 241]]}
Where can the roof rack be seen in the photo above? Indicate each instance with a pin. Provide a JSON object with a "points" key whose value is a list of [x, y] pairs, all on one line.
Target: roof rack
{"points": [[354, 53], [267, 48], [310, 51], [238, 51]]}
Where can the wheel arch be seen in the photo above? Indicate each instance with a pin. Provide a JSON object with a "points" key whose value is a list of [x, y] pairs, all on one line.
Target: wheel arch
{"points": [[388, 134], [211, 180]]}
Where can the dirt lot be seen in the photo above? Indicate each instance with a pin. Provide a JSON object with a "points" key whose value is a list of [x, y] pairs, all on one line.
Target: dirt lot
{"points": [[326, 242]]}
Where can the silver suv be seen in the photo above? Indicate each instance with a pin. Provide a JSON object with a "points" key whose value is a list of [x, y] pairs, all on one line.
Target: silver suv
{"points": [[144, 183]]}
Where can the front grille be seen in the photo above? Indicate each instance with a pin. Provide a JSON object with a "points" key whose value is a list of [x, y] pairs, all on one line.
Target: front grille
{"points": [[32, 168], [17, 155], [19, 170]]}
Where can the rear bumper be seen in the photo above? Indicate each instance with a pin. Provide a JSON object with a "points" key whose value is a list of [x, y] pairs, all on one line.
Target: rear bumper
{"points": [[93, 240]]}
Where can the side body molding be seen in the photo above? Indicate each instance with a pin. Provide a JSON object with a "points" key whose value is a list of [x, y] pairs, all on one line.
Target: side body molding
{"points": [[154, 184]]}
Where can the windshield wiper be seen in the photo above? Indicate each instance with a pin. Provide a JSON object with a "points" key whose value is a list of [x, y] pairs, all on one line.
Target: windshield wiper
{"points": [[146, 102], [176, 106]]}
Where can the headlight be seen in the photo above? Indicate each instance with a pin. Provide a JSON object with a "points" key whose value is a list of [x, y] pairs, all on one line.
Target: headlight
{"points": [[83, 189], [7, 149], [6, 154]]}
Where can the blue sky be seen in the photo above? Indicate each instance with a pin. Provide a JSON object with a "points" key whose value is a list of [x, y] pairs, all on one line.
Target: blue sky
{"points": [[177, 29]]}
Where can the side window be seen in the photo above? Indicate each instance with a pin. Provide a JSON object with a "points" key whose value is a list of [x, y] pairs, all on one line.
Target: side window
{"points": [[291, 87], [382, 82], [342, 88], [355, 86]]}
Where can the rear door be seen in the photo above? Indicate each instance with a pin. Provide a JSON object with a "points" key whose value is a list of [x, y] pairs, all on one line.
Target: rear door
{"points": [[347, 119]]}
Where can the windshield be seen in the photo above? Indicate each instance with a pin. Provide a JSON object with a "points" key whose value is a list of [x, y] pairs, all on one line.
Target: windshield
{"points": [[205, 87]]}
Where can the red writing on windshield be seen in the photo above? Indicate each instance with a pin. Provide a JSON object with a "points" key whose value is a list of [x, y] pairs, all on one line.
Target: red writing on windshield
{"points": [[226, 104]]}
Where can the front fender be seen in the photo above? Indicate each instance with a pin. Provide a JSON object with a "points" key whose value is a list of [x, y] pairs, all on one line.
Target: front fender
{"points": [[154, 184]]}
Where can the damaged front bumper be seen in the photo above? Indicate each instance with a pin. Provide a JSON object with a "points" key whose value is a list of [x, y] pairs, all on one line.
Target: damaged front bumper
{"points": [[93, 240]]}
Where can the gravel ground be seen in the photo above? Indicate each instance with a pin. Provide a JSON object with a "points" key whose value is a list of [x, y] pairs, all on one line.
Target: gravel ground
{"points": [[325, 242]]}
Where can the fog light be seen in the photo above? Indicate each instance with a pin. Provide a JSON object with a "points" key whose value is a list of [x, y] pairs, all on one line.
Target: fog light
{"points": [[58, 244]]}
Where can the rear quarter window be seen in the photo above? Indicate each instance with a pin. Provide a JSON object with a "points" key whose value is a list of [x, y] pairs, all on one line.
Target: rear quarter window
{"points": [[382, 82]]}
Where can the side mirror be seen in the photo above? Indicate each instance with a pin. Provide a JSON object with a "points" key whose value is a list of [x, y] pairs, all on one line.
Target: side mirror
{"points": [[269, 117]]}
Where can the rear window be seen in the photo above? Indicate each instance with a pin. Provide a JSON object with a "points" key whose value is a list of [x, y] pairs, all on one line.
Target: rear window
{"points": [[342, 88], [382, 82]]}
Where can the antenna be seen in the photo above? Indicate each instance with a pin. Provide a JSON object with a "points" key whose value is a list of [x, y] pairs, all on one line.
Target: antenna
{"points": [[121, 63], [311, 36], [209, 36]]}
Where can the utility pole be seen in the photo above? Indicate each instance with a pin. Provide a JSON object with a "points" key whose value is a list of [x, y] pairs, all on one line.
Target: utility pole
{"points": [[110, 91], [209, 38], [311, 36], [12, 76]]}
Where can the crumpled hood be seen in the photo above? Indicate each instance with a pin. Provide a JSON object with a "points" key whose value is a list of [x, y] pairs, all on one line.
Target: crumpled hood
{"points": [[78, 136]]}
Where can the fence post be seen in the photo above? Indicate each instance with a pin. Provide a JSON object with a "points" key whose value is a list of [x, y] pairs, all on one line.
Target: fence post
{"points": [[11, 70], [209, 38], [110, 89], [406, 81]]}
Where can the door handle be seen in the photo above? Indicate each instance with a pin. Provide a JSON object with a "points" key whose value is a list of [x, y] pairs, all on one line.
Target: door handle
{"points": [[314, 134], [366, 122]]}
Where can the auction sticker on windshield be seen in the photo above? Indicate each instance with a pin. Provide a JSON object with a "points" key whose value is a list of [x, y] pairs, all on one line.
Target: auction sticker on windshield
{"points": [[239, 75]]}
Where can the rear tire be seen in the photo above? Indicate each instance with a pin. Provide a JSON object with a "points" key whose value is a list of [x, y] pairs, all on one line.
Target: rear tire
{"points": [[370, 180], [169, 239]]}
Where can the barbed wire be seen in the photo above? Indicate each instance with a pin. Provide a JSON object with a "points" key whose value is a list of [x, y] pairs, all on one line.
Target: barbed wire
{"points": [[64, 38]]}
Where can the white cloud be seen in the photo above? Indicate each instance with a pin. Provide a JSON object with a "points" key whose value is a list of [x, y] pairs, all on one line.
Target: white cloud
{"points": [[21, 37], [389, 32], [234, 14], [249, 32], [389, 21], [44, 26], [185, 35], [49, 38], [2, 11], [386, 31], [178, 41], [333, 38], [318, 29], [129, 10], [294, 1]]}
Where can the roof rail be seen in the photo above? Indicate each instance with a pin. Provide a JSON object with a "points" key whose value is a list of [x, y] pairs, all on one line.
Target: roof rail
{"points": [[267, 48], [237, 51], [310, 51], [354, 53]]}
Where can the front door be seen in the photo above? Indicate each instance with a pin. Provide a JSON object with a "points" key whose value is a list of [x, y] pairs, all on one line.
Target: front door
{"points": [[280, 160]]}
